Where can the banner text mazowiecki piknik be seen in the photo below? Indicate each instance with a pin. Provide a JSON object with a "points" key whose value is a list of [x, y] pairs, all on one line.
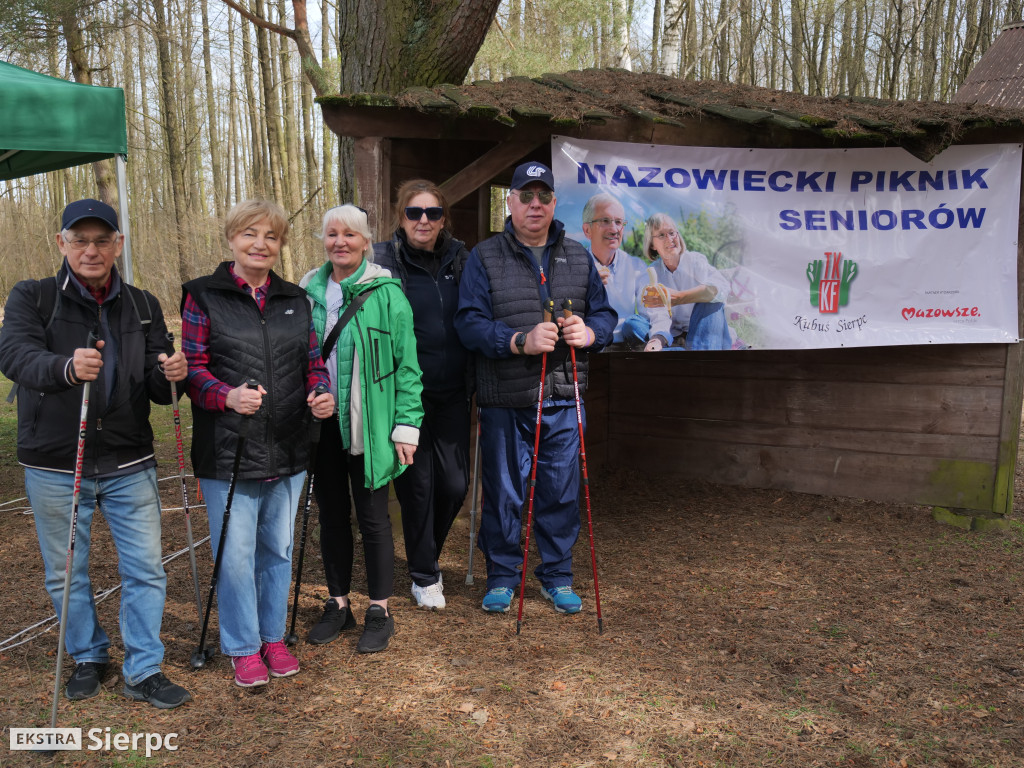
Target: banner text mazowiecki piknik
{"points": [[799, 248]]}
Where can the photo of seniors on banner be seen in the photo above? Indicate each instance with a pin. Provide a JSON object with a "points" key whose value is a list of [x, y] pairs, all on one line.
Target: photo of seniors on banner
{"points": [[722, 248]]}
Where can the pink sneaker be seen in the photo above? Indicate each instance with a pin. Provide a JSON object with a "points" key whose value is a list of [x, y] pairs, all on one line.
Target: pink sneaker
{"points": [[249, 670], [279, 659]]}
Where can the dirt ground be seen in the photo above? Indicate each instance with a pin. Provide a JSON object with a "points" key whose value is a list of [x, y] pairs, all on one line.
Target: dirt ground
{"points": [[741, 628]]}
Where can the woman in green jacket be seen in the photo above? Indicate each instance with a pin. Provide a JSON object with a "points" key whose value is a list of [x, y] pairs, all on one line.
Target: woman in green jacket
{"points": [[375, 379]]}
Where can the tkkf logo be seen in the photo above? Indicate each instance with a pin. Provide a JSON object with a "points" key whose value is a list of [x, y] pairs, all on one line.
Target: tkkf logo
{"points": [[830, 285]]}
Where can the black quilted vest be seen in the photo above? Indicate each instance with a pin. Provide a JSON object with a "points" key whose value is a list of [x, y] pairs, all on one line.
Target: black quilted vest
{"points": [[271, 347], [516, 296]]}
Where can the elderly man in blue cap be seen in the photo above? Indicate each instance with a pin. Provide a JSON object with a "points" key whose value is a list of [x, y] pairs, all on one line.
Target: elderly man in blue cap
{"points": [[45, 350], [507, 281]]}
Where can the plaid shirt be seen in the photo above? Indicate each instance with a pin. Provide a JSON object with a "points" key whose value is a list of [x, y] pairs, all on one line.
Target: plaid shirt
{"points": [[205, 389]]}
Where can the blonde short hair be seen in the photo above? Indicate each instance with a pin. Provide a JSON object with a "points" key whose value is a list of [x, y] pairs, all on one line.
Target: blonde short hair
{"points": [[247, 212], [350, 217]]}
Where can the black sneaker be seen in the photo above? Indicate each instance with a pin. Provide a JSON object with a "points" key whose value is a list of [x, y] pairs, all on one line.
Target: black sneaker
{"points": [[85, 680], [331, 624], [380, 628], [158, 691]]}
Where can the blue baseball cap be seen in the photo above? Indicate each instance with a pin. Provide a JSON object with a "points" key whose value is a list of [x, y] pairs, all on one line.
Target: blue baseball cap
{"points": [[88, 209], [530, 172]]}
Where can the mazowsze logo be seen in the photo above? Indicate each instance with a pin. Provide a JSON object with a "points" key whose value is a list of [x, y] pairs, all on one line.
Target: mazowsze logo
{"points": [[535, 170], [830, 280], [917, 313]]}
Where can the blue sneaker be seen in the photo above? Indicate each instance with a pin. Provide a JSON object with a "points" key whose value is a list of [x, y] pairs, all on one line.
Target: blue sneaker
{"points": [[499, 600], [563, 599]]}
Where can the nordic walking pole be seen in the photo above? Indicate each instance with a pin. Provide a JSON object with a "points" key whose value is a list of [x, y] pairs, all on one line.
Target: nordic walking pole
{"points": [[184, 489], [314, 432], [473, 506], [567, 312], [94, 337], [204, 654], [549, 307]]}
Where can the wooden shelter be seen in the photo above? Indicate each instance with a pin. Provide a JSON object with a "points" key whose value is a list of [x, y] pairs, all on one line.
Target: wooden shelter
{"points": [[934, 425]]}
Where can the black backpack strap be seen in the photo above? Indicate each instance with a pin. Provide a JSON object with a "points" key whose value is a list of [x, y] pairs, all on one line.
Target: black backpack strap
{"points": [[131, 291], [47, 302]]}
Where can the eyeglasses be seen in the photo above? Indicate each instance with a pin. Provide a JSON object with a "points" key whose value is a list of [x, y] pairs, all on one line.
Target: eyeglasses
{"points": [[545, 196], [81, 243], [606, 222], [415, 213], [664, 235]]}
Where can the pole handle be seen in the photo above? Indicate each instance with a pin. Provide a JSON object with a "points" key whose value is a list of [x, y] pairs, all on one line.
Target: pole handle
{"points": [[549, 310], [320, 389], [567, 308]]}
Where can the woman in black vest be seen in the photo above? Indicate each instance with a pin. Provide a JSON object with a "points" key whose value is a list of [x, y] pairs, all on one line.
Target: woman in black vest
{"points": [[423, 254], [244, 322]]}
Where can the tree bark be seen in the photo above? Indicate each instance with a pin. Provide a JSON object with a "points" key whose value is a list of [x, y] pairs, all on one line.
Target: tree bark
{"points": [[211, 117], [170, 125], [671, 37]]}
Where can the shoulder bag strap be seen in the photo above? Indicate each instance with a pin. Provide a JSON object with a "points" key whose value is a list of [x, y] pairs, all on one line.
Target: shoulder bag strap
{"points": [[353, 307]]}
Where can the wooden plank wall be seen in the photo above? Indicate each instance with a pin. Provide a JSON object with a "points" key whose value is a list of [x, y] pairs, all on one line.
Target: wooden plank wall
{"points": [[908, 424]]}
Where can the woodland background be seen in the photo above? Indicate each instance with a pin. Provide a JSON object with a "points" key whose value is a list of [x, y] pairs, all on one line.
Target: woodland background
{"points": [[220, 93]]}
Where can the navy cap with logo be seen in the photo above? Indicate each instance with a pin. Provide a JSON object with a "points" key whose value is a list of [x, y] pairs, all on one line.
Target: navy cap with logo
{"points": [[89, 209], [530, 172]]}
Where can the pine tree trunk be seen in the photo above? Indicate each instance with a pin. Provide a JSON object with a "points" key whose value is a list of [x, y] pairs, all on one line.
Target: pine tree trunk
{"points": [[170, 125], [211, 116]]}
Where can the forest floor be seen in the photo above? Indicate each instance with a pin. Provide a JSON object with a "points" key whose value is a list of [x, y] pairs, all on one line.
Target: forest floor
{"points": [[741, 628]]}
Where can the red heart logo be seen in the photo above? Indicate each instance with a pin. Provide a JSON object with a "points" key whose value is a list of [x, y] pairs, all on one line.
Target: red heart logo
{"points": [[908, 312]]}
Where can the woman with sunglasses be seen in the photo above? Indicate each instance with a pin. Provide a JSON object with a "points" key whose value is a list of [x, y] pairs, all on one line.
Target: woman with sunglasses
{"points": [[423, 254], [364, 325]]}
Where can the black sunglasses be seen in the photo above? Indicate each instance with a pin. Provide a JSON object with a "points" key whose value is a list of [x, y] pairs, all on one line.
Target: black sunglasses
{"points": [[544, 195], [415, 213]]}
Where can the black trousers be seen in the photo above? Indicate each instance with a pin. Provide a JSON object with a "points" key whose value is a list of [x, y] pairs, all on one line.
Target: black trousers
{"points": [[336, 471], [431, 490]]}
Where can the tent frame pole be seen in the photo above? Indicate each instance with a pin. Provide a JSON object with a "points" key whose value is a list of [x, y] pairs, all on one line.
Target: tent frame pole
{"points": [[127, 272]]}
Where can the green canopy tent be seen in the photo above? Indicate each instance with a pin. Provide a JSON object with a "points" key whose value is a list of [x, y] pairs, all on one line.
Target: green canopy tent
{"points": [[49, 124]]}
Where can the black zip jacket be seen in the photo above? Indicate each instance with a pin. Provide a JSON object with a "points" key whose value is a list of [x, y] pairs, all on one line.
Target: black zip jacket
{"points": [[434, 299], [118, 434]]}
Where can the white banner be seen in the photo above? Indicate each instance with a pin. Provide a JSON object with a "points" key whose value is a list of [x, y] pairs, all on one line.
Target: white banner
{"points": [[807, 248]]}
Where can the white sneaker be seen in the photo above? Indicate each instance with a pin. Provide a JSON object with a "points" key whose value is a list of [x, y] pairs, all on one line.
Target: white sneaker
{"points": [[431, 597]]}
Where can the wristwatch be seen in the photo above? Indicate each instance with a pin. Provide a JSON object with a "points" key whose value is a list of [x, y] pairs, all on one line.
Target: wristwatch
{"points": [[520, 342]]}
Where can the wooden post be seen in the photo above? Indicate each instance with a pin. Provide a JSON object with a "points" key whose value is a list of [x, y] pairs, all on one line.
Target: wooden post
{"points": [[483, 212], [373, 182]]}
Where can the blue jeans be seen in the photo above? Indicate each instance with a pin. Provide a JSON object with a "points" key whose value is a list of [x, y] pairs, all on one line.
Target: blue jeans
{"points": [[256, 571], [708, 328], [131, 506], [506, 459]]}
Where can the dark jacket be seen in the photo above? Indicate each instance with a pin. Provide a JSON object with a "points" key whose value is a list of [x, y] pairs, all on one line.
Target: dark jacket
{"points": [[434, 297], [271, 347], [118, 434], [501, 294]]}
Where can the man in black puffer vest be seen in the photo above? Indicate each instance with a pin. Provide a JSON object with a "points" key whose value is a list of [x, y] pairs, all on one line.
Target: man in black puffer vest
{"points": [[507, 281]]}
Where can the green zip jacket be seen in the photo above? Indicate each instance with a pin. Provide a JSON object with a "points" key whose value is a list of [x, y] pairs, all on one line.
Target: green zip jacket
{"points": [[384, 365]]}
